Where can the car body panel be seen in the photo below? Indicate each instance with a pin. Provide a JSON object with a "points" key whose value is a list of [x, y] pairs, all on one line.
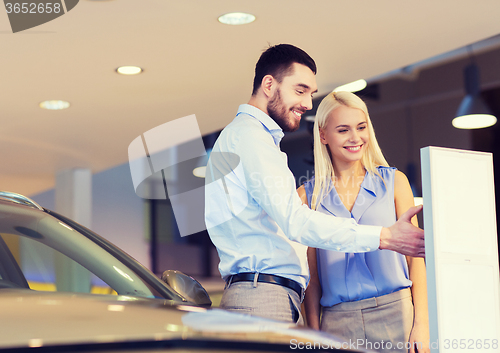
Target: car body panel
{"points": [[45, 319]]}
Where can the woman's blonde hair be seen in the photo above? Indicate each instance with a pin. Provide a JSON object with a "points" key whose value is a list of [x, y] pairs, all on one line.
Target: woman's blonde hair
{"points": [[323, 167]]}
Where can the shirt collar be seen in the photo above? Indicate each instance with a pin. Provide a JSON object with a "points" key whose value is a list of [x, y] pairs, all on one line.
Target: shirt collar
{"points": [[369, 183], [366, 197], [270, 125]]}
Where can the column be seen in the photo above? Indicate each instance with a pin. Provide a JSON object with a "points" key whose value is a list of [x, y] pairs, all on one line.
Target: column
{"points": [[73, 196]]}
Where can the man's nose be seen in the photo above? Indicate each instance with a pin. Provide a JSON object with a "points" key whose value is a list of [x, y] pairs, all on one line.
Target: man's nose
{"points": [[307, 103]]}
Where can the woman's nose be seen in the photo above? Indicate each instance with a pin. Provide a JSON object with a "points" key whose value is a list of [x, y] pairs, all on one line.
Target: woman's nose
{"points": [[354, 136]]}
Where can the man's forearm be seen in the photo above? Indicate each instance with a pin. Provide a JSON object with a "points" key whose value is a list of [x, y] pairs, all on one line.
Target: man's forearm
{"points": [[385, 235]]}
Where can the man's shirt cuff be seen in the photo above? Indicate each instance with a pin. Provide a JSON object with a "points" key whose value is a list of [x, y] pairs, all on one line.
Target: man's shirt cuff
{"points": [[368, 237]]}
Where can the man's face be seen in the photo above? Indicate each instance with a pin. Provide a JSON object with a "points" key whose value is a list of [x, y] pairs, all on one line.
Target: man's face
{"points": [[292, 97]]}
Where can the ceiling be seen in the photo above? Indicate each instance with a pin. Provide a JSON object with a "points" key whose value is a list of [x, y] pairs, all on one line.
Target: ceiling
{"points": [[192, 65]]}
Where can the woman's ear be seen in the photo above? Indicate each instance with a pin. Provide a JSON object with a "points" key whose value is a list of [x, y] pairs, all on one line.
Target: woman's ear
{"points": [[322, 136]]}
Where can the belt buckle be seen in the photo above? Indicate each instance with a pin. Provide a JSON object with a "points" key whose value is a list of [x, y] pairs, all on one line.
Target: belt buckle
{"points": [[229, 281]]}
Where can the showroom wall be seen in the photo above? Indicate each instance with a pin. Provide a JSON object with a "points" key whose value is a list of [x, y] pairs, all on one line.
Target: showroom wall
{"points": [[410, 109]]}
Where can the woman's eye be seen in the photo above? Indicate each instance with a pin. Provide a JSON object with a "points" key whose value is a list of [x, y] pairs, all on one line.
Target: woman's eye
{"points": [[362, 128], [342, 131]]}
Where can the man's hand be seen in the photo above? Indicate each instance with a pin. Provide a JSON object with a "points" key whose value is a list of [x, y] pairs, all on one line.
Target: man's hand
{"points": [[403, 237]]}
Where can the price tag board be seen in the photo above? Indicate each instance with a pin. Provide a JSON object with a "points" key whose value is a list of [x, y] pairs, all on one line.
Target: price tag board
{"points": [[461, 250]]}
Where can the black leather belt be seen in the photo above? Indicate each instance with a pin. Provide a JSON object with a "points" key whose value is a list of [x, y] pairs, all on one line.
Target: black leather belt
{"points": [[263, 277]]}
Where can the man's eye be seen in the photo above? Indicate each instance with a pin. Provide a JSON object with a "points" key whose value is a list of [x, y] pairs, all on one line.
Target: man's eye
{"points": [[300, 92]]}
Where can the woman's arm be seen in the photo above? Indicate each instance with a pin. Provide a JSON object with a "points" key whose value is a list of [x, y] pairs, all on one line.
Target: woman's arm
{"points": [[403, 199], [313, 293]]}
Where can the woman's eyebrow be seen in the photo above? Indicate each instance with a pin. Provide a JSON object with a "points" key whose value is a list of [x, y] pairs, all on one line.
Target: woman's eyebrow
{"points": [[363, 122]]}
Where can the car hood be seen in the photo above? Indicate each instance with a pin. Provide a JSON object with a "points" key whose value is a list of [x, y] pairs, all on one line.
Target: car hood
{"points": [[41, 319]]}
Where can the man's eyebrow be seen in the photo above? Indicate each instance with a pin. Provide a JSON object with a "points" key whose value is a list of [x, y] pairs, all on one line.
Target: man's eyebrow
{"points": [[303, 85]]}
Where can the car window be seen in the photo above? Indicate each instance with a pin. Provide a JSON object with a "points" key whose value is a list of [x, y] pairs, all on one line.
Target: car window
{"points": [[46, 269], [42, 252]]}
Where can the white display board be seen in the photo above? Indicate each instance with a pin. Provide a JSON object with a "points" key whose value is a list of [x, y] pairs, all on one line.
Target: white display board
{"points": [[461, 250]]}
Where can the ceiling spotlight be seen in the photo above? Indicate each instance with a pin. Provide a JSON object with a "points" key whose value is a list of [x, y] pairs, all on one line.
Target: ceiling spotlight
{"points": [[352, 87], [236, 18], [129, 70], [200, 172], [473, 113], [54, 105]]}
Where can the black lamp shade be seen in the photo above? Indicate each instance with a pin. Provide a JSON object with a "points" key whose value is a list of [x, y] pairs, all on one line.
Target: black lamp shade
{"points": [[472, 104]]}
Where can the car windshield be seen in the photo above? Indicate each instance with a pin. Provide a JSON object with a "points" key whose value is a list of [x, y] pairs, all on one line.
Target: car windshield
{"points": [[42, 252]]}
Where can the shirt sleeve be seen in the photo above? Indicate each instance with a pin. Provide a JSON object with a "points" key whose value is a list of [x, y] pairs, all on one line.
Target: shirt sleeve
{"points": [[271, 184]]}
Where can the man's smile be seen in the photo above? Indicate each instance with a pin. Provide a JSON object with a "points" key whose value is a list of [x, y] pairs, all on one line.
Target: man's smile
{"points": [[298, 113]]}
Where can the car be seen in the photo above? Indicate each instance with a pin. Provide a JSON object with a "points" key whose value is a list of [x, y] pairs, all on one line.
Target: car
{"points": [[34, 321], [64, 288], [43, 250]]}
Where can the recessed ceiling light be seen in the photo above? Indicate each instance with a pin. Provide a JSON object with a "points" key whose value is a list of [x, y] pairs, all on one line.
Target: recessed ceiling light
{"points": [[474, 121], [129, 70], [352, 87], [54, 105], [236, 18]]}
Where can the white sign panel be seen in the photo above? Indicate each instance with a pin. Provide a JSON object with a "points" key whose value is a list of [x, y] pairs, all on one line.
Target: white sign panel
{"points": [[461, 250]]}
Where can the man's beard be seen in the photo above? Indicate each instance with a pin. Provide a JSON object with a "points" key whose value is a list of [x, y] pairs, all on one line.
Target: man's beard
{"points": [[281, 114]]}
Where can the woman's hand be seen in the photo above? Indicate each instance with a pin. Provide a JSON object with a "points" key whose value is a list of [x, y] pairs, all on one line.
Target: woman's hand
{"points": [[419, 339]]}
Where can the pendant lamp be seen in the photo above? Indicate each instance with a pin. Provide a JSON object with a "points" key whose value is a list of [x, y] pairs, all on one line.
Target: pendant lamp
{"points": [[473, 113]]}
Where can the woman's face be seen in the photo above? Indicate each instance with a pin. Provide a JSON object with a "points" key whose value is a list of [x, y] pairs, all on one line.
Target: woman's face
{"points": [[346, 134]]}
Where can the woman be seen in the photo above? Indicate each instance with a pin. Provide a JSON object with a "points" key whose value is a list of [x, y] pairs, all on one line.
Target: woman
{"points": [[377, 299]]}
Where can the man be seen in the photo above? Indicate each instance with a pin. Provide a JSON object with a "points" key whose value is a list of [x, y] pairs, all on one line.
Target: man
{"points": [[253, 214]]}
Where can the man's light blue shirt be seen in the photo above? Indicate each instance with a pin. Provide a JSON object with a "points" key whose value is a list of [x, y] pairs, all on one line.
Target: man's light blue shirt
{"points": [[253, 213]]}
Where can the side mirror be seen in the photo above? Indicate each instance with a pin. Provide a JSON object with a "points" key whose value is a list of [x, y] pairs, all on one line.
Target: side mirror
{"points": [[187, 287]]}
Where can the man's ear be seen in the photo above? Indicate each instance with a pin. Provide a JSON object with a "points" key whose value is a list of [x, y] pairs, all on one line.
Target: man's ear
{"points": [[267, 85]]}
